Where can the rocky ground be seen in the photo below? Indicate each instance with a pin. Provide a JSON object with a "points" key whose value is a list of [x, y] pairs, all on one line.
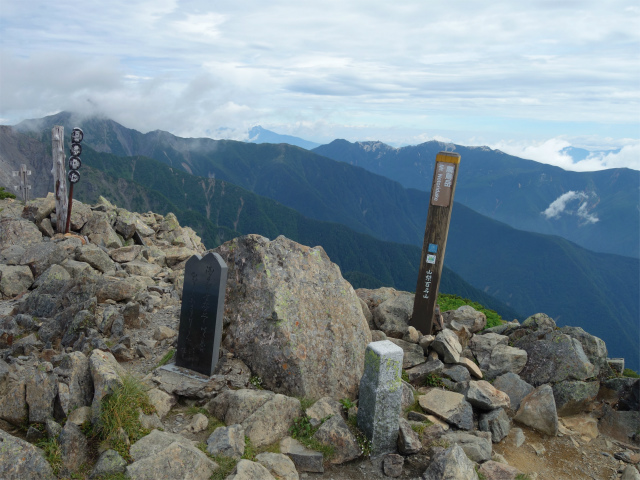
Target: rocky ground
{"points": [[80, 311]]}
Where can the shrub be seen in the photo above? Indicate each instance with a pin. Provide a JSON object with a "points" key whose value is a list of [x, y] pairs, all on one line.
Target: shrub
{"points": [[4, 194], [452, 302], [630, 373]]}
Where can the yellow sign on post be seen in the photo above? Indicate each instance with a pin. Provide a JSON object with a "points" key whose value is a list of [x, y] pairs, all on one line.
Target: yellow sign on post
{"points": [[435, 240]]}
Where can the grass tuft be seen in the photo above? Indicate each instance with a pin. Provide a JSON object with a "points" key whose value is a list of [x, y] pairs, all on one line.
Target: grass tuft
{"points": [[52, 454], [167, 357], [453, 302]]}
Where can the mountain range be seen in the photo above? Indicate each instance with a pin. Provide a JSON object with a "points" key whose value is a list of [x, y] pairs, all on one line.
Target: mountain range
{"points": [[529, 272]]}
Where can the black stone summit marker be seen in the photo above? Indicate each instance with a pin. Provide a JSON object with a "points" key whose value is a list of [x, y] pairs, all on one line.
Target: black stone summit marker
{"points": [[200, 331]]}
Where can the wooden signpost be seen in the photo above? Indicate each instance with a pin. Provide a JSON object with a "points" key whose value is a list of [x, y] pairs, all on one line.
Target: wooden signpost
{"points": [[435, 240], [59, 177]]}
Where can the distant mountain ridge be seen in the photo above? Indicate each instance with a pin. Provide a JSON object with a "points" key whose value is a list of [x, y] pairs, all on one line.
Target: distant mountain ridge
{"points": [[601, 215], [258, 134], [527, 271]]}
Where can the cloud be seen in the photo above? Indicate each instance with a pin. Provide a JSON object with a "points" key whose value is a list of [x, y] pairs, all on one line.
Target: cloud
{"points": [[560, 206]]}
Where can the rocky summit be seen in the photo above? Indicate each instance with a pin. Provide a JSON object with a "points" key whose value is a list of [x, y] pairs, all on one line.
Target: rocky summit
{"points": [[89, 324]]}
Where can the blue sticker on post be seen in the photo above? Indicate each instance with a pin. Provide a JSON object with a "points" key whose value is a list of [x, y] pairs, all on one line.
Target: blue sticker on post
{"points": [[433, 248], [431, 259]]}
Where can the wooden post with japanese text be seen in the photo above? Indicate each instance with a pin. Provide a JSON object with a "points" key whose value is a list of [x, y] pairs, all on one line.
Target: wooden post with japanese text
{"points": [[435, 240]]}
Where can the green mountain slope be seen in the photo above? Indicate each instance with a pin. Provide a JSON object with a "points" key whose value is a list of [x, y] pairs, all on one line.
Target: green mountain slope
{"points": [[517, 191], [220, 211]]}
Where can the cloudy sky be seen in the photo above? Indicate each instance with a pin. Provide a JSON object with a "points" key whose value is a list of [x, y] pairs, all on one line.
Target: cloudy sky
{"points": [[530, 78]]}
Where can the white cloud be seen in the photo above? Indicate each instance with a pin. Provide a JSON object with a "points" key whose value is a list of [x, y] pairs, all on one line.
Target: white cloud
{"points": [[561, 206]]}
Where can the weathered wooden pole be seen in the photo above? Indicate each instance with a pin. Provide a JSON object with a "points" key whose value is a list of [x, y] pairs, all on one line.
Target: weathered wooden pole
{"points": [[59, 176], [435, 240]]}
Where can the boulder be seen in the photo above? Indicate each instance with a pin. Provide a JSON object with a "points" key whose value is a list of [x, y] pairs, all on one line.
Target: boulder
{"points": [[110, 463], [408, 440], [392, 316], [99, 231], [74, 448], [553, 358], [573, 397], [272, 421], [497, 423], [447, 346], [75, 372], [506, 359], [141, 268], [476, 445], [466, 316], [450, 464], [514, 387], [594, 348], [14, 280], [471, 367], [483, 345], [155, 442], [456, 373], [41, 391], [227, 441], [538, 411], [107, 376], [335, 432], [279, 465], [125, 254], [96, 257], [621, 425], [392, 465], [304, 459], [539, 321], [412, 353], [40, 256], [13, 403], [322, 409], [248, 470], [53, 276], [419, 373], [20, 459], [178, 460], [484, 396], [17, 231], [292, 318], [448, 406], [498, 471]]}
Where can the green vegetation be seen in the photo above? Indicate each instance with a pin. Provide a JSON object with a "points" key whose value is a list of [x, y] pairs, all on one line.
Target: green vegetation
{"points": [[433, 380], [305, 402], [630, 373], [52, 454], [303, 431], [405, 376], [347, 404], [453, 302], [4, 194], [166, 358], [256, 381], [119, 416], [363, 441]]}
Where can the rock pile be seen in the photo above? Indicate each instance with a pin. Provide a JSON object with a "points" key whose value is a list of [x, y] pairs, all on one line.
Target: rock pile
{"points": [[81, 312]]}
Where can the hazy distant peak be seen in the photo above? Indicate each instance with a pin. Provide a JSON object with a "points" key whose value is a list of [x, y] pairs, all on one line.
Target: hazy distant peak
{"points": [[258, 134], [372, 146]]}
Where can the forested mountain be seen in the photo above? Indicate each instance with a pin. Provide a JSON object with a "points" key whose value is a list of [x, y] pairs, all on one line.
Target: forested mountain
{"points": [[529, 272], [601, 215]]}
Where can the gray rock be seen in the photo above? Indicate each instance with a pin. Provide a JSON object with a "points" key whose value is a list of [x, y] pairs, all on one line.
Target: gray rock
{"points": [[14, 280], [630, 473], [483, 345], [292, 318], [34, 435], [109, 463], [324, 408], [335, 432], [178, 460], [573, 397], [518, 436], [20, 460], [471, 367], [96, 257], [392, 316], [451, 464], [594, 348], [17, 231], [40, 256], [80, 415], [497, 423], [13, 403], [53, 274], [484, 396], [408, 395], [74, 448], [498, 471], [623, 392], [106, 374], [155, 442], [304, 459], [139, 267], [248, 470], [125, 254], [621, 425], [75, 372], [419, 373], [457, 373], [271, 421], [538, 411], [554, 358], [448, 406], [98, 230], [514, 386], [476, 445], [392, 465], [78, 269], [151, 422], [539, 321], [53, 428], [506, 359], [117, 290], [235, 406], [227, 441], [425, 342], [381, 396], [408, 440], [131, 314], [279, 465], [447, 346], [466, 316], [175, 255], [413, 353], [41, 391]]}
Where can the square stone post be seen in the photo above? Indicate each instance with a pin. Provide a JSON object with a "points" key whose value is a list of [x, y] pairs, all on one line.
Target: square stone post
{"points": [[380, 397]]}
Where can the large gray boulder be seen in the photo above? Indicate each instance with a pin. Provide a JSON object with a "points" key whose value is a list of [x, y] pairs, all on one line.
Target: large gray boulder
{"points": [[40, 256], [594, 348], [248, 470], [20, 460], [335, 432], [451, 464], [448, 406], [412, 353], [41, 391], [476, 445], [483, 345], [392, 316], [505, 358], [497, 422], [466, 316], [292, 318], [14, 280], [514, 386], [448, 346], [96, 257], [177, 460], [538, 411], [573, 397], [553, 358], [484, 396], [17, 231], [75, 373]]}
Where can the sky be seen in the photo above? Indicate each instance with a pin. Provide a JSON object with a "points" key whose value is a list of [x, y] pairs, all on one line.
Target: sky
{"points": [[529, 78]]}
